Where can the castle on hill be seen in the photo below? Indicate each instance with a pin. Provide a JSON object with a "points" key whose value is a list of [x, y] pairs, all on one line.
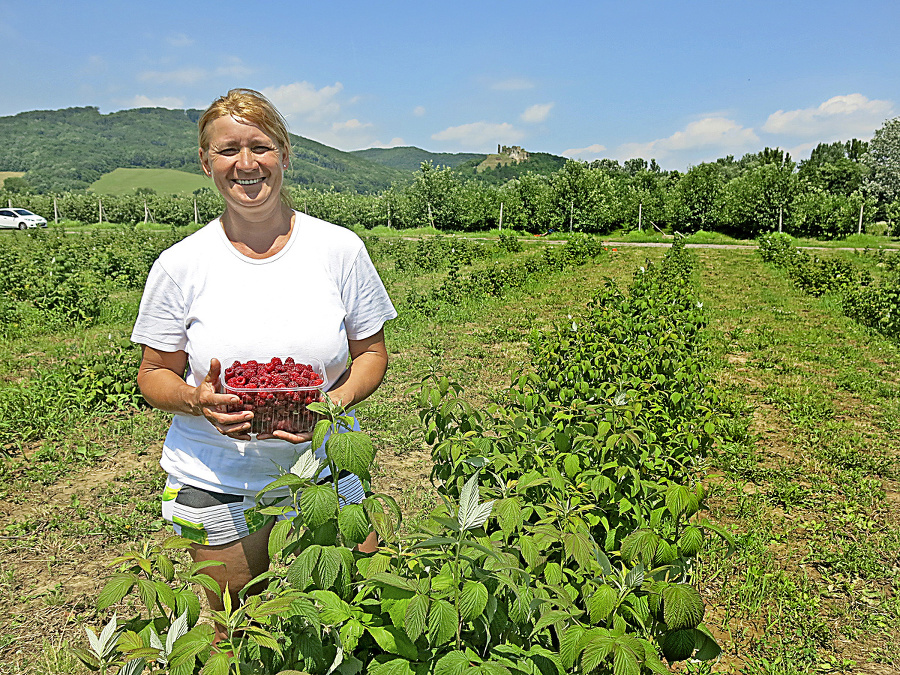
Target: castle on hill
{"points": [[514, 152]]}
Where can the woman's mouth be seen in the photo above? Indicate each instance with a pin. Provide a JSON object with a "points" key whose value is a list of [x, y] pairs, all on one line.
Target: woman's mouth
{"points": [[249, 181]]}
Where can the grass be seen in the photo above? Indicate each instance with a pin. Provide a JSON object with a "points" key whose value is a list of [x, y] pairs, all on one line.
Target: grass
{"points": [[10, 174], [806, 479], [163, 181]]}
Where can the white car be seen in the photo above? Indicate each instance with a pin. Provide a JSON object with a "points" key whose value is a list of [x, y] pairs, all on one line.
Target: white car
{"points": [[21, 219]]}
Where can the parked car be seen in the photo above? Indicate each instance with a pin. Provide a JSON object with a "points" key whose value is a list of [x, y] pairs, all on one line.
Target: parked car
{"points": [[21, 219]]}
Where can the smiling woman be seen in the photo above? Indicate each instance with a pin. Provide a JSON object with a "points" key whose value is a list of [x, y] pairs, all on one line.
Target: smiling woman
{"points": [[259, 282]]}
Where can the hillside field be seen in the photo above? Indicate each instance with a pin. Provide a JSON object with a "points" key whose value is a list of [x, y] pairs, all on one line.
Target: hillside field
{"points": [[162, 181], [10, 174]]}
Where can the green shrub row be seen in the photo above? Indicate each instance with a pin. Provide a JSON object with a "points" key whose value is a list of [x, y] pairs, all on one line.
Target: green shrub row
{"points": [[581, 560], [872, 303]]}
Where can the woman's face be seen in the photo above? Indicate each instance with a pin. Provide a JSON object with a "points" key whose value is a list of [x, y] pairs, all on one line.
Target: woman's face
{"points": [[246, 165]]}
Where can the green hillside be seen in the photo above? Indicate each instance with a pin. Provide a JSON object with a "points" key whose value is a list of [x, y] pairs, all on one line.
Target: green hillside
{"points": [[162, 181], [72, 148], [498, 171], [409, 158]]}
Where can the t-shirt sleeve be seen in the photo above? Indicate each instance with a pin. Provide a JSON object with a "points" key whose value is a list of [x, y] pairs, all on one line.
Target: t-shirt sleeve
{"points": [[365, 299], [160, 321]]}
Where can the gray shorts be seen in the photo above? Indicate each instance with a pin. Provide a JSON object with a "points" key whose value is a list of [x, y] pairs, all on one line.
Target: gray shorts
{"points": [[216, 518]]}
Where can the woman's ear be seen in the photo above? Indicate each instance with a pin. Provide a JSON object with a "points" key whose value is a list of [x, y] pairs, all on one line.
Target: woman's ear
{"points": [[204, 162]]}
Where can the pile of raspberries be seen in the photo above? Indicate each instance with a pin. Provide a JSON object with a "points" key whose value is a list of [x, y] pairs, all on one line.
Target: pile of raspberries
{"points": [[283, 389]]}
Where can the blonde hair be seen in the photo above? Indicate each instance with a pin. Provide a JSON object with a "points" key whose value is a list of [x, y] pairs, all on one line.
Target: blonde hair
{"points": [[248, 105]]}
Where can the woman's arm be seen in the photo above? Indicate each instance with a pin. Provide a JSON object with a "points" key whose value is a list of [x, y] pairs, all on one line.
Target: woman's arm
{"points": [[368, 364], [161, 380]]}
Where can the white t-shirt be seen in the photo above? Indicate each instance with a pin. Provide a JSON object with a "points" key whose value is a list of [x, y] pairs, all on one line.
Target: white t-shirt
{"points": [[206, 298]]}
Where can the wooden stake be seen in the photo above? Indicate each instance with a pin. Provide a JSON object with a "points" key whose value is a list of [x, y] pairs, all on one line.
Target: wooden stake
{"points": [[501, 217], [780, 212], [55, 212], [859, 230], [640, 214]]}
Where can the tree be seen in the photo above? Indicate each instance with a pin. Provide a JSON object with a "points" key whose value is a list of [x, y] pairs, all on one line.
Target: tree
{"points": [[883, 160], [695, 202]]}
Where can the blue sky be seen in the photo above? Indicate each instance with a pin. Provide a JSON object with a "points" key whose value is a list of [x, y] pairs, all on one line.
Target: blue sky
{"points": [[681, 82]]}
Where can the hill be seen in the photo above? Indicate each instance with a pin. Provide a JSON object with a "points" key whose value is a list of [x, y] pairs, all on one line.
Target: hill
{"points": [[72, 148], [496, 170], [410, 158]]}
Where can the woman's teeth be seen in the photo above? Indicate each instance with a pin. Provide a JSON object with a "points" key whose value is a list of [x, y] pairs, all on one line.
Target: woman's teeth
{"points": [[254, 181]]}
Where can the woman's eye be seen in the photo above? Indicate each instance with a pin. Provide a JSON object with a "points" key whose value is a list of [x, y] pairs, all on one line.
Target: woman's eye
{"points": [[262, 149], [228, 152]]}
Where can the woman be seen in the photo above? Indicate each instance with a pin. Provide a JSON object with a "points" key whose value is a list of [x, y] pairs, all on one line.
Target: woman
{"points": [[260, 281]]}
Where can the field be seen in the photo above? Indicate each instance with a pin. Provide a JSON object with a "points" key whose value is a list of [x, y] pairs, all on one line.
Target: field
{"points": [[10, 174], [162, 181], [804, 473]]}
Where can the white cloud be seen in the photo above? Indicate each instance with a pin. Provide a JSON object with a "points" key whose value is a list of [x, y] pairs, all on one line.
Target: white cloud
{"points": [[181, 76], [838, 118], [350, 125], [393, 143], [479, 134], [180, 40], [301, 100], [235, 68], [716, 135], [141, 101], [537, 113], [513, 84], [587, 154], [419, 110]]}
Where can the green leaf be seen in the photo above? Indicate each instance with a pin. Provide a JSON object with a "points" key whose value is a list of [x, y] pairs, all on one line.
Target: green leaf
{"points": [[300, 572], [165, 567], [625, 662], [278, 538], [353, 523], [690, 541], [680, 500], [442, 622], [147, 591], [601, 603], [329, 565], [333, 610], [394, 640], [319, 433], [452, 663], [596, 651], [641, 546], [318, 503], [509, 514], [190, 645], [706, 645], [569, 645], [579, 547], [682, 606], [351, 451], [288, 479], [393, 667], [554, 616], [187, 601], [472, 600], [115, 589], [350, 633], [415, 618], [678, 645], [218, 664]]}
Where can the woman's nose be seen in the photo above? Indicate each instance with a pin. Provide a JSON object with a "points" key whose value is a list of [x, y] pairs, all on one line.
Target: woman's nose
{"points": [[245, 159]]}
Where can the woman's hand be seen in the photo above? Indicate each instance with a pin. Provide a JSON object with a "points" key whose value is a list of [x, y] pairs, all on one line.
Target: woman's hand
{"points": [[214, 406], [161, 379]]}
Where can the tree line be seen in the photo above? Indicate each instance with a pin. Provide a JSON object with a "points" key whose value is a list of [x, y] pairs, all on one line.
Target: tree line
{"points": [[842, 186]]}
